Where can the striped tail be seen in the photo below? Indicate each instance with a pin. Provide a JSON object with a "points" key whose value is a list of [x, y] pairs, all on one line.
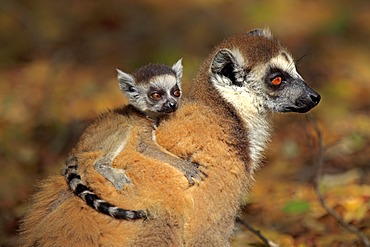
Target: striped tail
{"points": [[75, 183]]}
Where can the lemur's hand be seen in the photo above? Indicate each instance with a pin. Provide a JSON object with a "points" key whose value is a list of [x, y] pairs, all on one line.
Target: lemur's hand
{"points": [[116, 176], [192, 172]]}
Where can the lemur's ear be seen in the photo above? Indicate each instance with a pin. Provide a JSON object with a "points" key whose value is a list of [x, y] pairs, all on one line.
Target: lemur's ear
{"points": [[177, 67], [126, 83], [261, 32], [225, 63]]}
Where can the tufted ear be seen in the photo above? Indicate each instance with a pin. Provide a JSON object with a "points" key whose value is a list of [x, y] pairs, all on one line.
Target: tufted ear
{"points": [[261, 32], [226, 64], [177, 67], [127, 84]]}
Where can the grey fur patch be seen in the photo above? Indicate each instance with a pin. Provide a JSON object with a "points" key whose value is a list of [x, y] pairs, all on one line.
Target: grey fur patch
{"points": [[261, 33]]}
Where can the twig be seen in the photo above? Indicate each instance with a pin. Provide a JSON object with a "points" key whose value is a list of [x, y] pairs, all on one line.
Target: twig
{"points": [[319, 161], [256, 232]]}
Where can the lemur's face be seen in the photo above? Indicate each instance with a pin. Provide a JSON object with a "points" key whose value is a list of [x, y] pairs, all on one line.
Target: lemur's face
{"points": [[156, 90], [258, 74], [282, 88], [162, 94], [158, 96]]}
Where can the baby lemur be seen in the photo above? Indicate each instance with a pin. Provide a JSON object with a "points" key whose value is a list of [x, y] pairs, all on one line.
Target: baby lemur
{"points": [[222, 124], [154, 92]]}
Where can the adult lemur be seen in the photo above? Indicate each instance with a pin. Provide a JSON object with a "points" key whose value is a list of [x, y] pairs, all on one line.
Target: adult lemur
{"points": [[154, 92], [222, 125]]}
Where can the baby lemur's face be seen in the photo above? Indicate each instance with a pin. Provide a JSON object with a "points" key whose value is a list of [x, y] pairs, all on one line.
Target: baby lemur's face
{"points": [[154, 89], [163, 94]]}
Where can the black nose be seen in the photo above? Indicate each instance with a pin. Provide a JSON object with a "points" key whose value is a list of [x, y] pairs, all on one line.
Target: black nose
{"points": [[315, 97], [172, 105]]}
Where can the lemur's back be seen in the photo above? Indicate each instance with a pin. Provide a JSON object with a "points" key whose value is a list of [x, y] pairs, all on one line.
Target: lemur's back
{"points": [[58, 216], [106, 130]]}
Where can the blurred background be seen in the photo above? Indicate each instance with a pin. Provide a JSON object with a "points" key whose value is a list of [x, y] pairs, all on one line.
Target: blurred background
{"points": [[57, 73]]}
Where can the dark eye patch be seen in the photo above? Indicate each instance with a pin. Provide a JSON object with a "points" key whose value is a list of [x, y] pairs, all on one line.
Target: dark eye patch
{"points": [[175, 90], [154, 90], [274, 73], [176, 87]]}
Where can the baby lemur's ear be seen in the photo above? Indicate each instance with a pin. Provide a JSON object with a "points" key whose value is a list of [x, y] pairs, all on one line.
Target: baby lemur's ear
{"points": [[127, 84], [177, 67]]}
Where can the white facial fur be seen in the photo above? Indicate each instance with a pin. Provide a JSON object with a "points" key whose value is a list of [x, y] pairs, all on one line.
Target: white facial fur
{"points": [[285, 62], [164, 82]]}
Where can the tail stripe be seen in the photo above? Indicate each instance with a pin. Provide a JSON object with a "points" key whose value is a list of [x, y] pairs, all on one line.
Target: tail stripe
{"points": [[91, 199]]}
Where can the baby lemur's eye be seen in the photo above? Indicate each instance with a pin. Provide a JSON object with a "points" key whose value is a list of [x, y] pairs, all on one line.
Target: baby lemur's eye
{"points": [[276, 80], [177, 93], [156, 96]]}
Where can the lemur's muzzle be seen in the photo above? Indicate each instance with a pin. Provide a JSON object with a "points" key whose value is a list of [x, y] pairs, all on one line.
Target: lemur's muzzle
{"points": [[307, 99], [169, 107]]}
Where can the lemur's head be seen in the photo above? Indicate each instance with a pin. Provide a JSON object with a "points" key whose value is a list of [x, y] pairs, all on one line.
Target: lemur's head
{"points": [[153, 89], [256, 67]]}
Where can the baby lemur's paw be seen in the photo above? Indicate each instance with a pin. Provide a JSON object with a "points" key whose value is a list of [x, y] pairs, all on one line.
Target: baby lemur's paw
{"points": [[116, 176], [193, 173]]}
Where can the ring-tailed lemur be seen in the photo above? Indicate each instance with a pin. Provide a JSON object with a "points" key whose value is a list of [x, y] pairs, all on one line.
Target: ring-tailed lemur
{"points": [[223, 124], [154, 92]]}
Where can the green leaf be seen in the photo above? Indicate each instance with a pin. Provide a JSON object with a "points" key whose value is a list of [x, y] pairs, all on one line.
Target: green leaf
{"points": [[296, 207]]}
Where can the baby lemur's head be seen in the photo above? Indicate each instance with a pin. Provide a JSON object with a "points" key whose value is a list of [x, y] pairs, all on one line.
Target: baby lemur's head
{"points": [[153, 89]]}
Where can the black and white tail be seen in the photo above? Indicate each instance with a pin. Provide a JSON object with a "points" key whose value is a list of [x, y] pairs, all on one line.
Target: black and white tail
{"points": [[81, 190]]}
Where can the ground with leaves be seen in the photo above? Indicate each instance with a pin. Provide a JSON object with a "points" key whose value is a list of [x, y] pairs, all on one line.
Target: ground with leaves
{"points": [[57, 72]]}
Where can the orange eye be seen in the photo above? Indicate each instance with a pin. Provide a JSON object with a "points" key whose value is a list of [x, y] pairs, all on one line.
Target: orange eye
{"points": [[177, 93], [156, 96], [277, 80]]}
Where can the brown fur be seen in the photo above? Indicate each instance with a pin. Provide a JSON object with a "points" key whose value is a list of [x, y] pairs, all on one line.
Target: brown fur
{"points": [[205, 128]]}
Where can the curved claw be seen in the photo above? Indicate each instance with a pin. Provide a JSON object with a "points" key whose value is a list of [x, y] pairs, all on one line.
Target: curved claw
{"points": [[190, 179], [192, 173]]}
